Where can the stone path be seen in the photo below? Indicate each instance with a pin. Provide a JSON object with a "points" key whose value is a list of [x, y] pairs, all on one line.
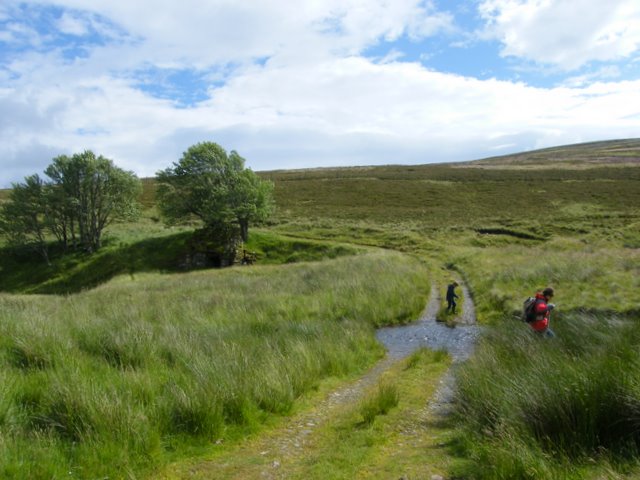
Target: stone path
{"points": [[458, 341], [400, 343], [275, 452]]}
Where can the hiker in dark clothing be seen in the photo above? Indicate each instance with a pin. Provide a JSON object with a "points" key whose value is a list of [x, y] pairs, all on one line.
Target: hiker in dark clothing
{"points": [[451, 297]]}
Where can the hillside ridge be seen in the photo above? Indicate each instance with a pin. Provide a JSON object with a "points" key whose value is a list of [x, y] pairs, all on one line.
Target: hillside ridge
{"points": [[619, 152], [622, 151]]}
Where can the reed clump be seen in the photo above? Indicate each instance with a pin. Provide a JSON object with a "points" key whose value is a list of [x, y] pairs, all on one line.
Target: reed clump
{"points": [[566, 401], [115, 379]]}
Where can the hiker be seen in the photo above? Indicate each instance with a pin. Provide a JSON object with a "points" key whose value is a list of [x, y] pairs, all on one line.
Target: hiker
{"points": [[451, 297], [541, 312]]}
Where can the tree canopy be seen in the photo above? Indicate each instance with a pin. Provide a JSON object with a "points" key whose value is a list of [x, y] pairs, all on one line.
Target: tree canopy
{"points": [[83, 195], [215, 187], [23, 218], [87, 194]]}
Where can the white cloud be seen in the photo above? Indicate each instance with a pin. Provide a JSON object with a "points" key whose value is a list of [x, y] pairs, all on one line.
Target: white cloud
{"points": [[565, 33], [16, 32], [72, 25], [340, 111], [200, 33], [605, 73], [430, 22], [314, 101]]}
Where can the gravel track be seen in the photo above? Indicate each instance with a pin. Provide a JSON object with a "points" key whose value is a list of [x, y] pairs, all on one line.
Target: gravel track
{"points": [[458, 341], [400, 343], [276, 452]]}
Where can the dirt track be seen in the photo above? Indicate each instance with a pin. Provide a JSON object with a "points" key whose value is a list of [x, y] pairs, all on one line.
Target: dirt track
{"points": [[274, 452], [400, 343], [458, 341]]}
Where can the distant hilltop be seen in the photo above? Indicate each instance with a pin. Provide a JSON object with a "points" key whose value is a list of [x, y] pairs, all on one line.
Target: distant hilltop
{"points": [[608, 153], [611, 152]]}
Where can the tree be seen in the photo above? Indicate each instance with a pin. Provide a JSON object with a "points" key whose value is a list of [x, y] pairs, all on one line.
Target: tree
{"points": [[84, 195], [64, 189], [252, 201], [87, 193], [23, 218], [216, 188]]}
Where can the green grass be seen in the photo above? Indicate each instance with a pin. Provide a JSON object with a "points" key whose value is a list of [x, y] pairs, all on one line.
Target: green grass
{"points": [[569, 402], [114, 381], [276, 249], [380, 402], [450, 196], [160, 250], [404, 441], [602, 278]]}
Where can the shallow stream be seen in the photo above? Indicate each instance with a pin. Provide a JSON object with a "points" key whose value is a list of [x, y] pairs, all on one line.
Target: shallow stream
{"points": [[458, 341]]}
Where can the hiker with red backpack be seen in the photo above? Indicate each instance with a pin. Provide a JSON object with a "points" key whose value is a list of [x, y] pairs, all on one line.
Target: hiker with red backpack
{"points": [[537, 311]]}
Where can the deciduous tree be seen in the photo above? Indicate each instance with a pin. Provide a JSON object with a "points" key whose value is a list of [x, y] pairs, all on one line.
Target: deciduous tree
{"points": [[23, 218], [84, 195], [216, 188], [87, 193]]}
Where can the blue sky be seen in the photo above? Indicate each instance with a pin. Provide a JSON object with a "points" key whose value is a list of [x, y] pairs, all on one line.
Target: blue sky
{"points": [[327, 83]]}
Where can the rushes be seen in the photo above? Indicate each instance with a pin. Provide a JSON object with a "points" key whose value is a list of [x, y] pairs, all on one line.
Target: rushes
{"points": [[570, 399], [111, 378], [380, 402]]}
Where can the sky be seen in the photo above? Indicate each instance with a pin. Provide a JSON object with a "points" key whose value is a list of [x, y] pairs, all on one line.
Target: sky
{"points": [[312, 83]]}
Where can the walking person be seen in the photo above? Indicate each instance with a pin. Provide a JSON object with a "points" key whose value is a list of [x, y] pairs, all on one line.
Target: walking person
{"points": [[451, 297], [541, 310]]}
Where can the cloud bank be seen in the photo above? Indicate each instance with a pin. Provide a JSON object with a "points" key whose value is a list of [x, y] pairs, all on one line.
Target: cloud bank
{"points": [[139, 82]]}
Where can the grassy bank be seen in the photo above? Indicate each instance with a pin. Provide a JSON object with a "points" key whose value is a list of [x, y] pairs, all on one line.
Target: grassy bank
{"points": [[135, 250], [116, 380], [567, 408]]}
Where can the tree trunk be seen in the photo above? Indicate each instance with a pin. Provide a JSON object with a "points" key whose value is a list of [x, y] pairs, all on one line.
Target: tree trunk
{"points": [[244, 229]]}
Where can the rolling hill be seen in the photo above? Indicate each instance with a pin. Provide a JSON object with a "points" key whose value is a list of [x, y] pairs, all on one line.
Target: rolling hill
{"points": [[114, 371]]}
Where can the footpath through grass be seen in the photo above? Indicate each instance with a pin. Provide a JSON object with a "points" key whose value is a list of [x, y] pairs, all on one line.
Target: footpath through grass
{"points": [[389, 432]]}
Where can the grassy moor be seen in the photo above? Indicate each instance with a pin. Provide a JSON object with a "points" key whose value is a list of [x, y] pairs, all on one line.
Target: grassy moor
{"points": [[127, 364]]}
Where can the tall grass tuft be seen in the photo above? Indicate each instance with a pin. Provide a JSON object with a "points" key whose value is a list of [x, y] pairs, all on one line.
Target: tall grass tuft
{"points": [[570, 399], [383, 399], [111, 381]]}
